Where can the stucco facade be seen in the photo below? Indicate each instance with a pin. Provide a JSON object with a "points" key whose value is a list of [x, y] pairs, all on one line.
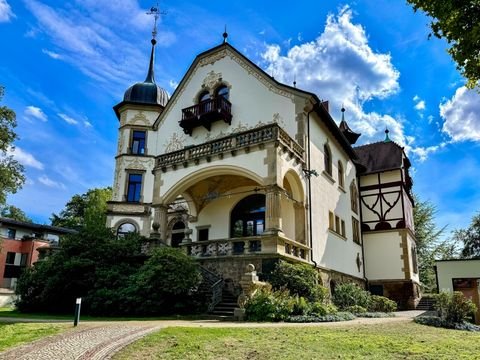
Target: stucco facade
{"points": [[236, 167]]}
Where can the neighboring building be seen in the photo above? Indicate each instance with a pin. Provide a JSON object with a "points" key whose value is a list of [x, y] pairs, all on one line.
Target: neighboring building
{"points": [[238, 168], [460, 275], [20, 244]]}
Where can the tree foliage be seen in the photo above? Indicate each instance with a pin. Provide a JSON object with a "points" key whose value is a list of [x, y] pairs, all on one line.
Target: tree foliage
{"points": [[470, 237], [430, 245], [13, 212], [11, 171], [111, 275], [85, 210], [458, 22]]}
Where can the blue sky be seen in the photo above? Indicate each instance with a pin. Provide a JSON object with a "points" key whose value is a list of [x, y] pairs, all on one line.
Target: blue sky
{"points": [[65, 64]]}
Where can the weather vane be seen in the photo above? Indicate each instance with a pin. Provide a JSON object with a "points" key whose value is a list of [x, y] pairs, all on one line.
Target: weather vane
{"points": [[155, 11]]}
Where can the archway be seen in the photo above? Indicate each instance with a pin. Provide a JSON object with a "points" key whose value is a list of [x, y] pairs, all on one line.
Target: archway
{"points": [[248, 216]]}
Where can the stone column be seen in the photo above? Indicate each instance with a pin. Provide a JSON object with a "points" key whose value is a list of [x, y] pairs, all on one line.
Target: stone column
{"points": [[160, 221], [273, 210], [300, 223]]}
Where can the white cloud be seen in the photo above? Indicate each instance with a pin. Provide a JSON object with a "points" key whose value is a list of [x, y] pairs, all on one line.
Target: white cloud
{"points": [[45, 180], [420, 105], [461, 115], [87, 124], [25, 158], [52, 54], [36, 112], [340, 66], [423, 152], [5, 11], [92, 39], [68, 119]]}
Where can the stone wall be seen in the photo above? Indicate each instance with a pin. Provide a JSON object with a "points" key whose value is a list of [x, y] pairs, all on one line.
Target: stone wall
{"points": [[405, 293]]}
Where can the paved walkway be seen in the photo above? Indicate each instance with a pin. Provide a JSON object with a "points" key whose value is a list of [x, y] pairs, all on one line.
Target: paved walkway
{"points": [[100, 340]]}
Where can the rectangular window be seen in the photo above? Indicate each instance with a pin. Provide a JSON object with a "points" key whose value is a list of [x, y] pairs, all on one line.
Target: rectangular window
{"points": [[11, 233], [138, 142], [23, 259], [10, 258], [134, 189], [343, 228], [202, 234], [337, 224], [356, 230], [331, 221]]}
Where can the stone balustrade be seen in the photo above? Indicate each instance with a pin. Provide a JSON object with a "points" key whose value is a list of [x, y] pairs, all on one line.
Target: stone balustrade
{"points": [[248, 246], [232, 143]]}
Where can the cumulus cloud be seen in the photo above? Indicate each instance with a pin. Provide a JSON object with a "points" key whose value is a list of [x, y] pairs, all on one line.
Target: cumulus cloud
{"points": [[340, 66], [25, 158], [45, 180], [6, 13], [420, 105], [35, 112], [91, 38], [68, 119], [52, 54], [461, 115]]}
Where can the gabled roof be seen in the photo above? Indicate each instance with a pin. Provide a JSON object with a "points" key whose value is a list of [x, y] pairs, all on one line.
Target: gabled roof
{"points": [[37, 227], [381, 156], [318, 106]]}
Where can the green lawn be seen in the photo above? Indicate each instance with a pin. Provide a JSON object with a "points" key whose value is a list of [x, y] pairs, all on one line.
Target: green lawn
{"points": [[399, 340], [16, 334]]}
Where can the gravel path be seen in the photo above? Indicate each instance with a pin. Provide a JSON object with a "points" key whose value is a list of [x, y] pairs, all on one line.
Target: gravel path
{"points": [[100, 340]]}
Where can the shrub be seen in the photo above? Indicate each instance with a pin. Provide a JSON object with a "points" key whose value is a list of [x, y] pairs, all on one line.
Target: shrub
{"points": [[356, 309], [341, 316], [300, 306], [299, 279], [269, 305], [381, 304], [349, 294], [454, 308], [438, 322], [375, 315]]}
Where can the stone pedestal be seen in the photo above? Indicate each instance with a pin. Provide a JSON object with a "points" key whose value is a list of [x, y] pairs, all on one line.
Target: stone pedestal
{"points": [[249, 284]]}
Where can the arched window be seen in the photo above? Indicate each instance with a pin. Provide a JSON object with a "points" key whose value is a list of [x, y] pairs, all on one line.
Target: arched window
{"points": [[178, 234], [341, 174], [327, 158], [248, 216], [204, 95], [223, 92], [126, 228], [354, 197]]}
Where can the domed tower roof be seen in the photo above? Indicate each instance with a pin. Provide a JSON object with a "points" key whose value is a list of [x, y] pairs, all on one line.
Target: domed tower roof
{"points": [[146, 92]]}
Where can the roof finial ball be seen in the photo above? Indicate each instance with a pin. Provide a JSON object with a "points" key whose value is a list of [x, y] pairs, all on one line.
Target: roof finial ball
{"points": [[225, 35], [387, 138]]}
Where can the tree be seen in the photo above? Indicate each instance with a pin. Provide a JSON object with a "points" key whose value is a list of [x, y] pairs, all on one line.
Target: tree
{"points": [[430, 246], [470, 237], [86, 210], [15, 213], [11, 171], [457, 21]]}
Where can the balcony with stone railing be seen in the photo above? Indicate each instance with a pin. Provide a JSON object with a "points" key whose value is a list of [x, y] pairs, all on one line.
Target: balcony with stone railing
{"points": [[249, 246], [232, 143]]}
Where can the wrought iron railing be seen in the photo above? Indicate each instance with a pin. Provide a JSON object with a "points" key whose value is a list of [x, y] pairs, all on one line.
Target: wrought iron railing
{"points": [[213, 286]]}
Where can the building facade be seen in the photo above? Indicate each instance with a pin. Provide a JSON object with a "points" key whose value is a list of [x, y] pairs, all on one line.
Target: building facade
{"points": [[237, 168], [21, 246]]}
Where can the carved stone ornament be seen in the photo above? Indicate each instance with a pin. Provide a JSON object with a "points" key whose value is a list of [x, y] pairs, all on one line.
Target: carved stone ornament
{"points": [[175, 143], [140, 119], [139, 164], [212, 80], [278, 119], [123, 118]]}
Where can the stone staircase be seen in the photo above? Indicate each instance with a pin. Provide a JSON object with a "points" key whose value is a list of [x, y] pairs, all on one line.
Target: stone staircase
{"points": [[426, 303], [225, 307]]}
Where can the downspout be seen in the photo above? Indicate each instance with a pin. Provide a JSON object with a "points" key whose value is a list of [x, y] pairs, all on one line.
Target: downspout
{"points": [[309, 176]]}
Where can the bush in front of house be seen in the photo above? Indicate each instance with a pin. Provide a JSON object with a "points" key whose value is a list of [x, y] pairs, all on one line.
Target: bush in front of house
{"points": [[349, 294], [270, 305], [339, 316], [381, 304], [299, 279], [112, 277]]}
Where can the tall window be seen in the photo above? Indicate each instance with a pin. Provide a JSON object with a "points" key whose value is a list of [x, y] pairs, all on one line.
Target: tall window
{"points": [[204, 95], [134, 189], [126, 228], [248, 216], [327, 158], [138, 142], [354, 197], [341, 174], [356, 230], [178, 234], [223, 92]]}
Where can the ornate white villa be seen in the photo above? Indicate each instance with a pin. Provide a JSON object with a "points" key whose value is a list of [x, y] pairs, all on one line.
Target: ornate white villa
{"points": [[237, 168]]}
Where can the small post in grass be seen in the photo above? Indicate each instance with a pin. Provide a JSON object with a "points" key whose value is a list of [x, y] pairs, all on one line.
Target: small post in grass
{"points": [[78, 304]]}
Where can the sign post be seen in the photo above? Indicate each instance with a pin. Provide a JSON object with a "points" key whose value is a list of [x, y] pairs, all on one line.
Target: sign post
{"points": [[78, 304]]}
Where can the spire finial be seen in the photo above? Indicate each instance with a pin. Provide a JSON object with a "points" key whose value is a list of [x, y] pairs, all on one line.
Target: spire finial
{"points": [[343, 112], [387, 138], [225, 35], [154, 10], [294, 80]]}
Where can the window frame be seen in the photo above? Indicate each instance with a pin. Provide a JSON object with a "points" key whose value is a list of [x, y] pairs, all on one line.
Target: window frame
{"points": [[327, 159], [221, 87], [132, 141], [11, 233], [341, 174], [128, 184], [124, 233], [354, 197]]}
